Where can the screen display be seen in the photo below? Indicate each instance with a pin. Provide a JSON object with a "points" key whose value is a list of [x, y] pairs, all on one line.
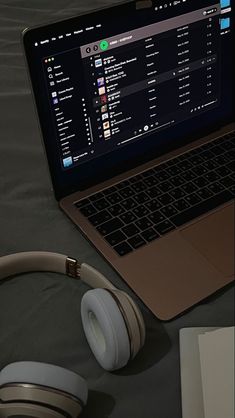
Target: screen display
{"points": [[122, 85]]}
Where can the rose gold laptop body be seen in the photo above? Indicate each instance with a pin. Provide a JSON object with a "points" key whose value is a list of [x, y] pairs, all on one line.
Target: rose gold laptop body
{"points": [[177, 271]]}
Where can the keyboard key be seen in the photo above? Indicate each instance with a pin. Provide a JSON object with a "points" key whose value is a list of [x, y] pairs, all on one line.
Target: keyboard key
{"points": [[151, 181], [139, 187], [216, 188], [208, 146], [126, 192], [207, 155], [173, 162], [232, 190], [227, 181], [154, 192], [166, 199], [150, 235], [181, 205], [123, 249], [189, 188], [128, 217], [227, 146], [82, 203], [110, 226], [115, 238], [96, 196], [136, 242], [153, 205], [100, 218], [185, 165], [109, 191], [204, 193], [114, 198], [101, 204], [178, 193], [217, 150], [116, 210], [165, 227], [201, 182], [221, 159], [188, 176], [169, 211], [210, 165], [196, 160], [156, 217], [162, 176], [231, 166], [123, 184], [151, 171], [132, 180], [174, 170], [140, 211], [166, 186], [136, 178], [212, 176], [143, 223], [130, 230], [223, 171], [141, 198], [200, 170], [202, 208], [163, 166], [129, 203], [177, 181], [88, 210], [193, 199]]}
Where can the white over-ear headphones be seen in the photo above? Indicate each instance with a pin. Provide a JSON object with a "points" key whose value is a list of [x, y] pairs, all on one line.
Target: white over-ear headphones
{"points": [[114, 328]]}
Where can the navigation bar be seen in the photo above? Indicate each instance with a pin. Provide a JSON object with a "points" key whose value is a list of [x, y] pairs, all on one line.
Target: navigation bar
{"points": [[148, 31]]}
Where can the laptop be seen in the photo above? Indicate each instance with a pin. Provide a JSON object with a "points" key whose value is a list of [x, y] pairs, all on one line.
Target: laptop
{"points": [[136, 109]]}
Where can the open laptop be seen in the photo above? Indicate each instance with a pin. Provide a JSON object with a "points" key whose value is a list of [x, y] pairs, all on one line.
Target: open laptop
{"points": [[136, 108]]}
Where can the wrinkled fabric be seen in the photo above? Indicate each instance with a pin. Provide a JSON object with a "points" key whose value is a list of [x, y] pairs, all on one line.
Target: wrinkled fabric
{"points": [[40, 313]]}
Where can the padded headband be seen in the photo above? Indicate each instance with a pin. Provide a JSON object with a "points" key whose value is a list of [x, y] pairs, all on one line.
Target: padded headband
{"points": [[14, 264], [115, 310]]}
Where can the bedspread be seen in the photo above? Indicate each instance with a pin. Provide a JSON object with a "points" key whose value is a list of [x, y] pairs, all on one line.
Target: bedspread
{"points": [[40, 313]]}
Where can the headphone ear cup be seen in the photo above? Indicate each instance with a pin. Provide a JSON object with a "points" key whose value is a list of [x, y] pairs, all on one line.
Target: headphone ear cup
{"points": [[139, 317], [105, 329], [42, 383]]}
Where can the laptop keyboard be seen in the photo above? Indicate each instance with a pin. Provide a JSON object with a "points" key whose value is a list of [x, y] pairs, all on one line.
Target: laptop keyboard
{"points": [[145, 207]]}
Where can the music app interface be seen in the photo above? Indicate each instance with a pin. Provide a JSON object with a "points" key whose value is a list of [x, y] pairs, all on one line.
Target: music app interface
{"points": [[134, 84], [153, 77]]}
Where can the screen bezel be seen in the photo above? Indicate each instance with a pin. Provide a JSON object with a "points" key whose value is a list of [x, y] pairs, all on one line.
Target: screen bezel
{"points": [[103, 168]]}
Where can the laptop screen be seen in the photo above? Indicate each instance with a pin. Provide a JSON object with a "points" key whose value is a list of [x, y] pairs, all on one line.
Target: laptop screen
{"points": [[122, 85]]}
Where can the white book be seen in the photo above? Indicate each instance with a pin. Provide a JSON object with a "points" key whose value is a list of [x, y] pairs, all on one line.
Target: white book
{"points": [[191, 379], [217, 370]]}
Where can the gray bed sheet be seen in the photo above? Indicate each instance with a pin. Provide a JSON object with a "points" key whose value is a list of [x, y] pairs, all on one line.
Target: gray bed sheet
{"points": [[40, 313]]}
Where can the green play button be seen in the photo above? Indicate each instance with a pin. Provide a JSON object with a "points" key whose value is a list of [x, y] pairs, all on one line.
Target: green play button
{"points": [[104, 45]]}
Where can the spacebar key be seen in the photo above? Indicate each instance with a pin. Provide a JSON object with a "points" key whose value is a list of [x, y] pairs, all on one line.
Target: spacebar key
{"points": [[201, 208]]}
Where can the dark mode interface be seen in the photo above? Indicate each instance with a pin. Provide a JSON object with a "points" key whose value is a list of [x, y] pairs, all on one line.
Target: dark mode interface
{"points": [[135, 83]]}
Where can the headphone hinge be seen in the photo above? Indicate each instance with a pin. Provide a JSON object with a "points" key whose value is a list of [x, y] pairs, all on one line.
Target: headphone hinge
{"points": [[73, 268]]}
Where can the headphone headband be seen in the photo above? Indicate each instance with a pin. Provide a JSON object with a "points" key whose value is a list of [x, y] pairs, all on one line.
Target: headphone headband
{"points": [[26, 262]]}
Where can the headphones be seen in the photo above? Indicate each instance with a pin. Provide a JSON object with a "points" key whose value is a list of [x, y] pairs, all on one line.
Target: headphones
{"points": [[114, 328]]}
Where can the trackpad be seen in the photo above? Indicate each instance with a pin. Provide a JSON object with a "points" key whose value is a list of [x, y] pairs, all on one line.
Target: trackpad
{"points": [[213, 237]]}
